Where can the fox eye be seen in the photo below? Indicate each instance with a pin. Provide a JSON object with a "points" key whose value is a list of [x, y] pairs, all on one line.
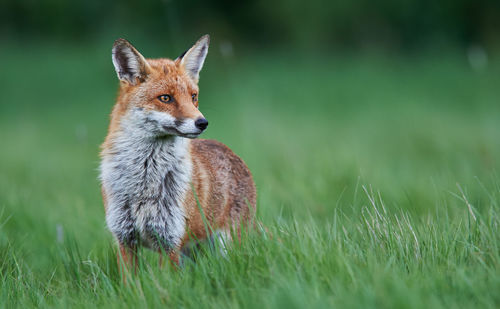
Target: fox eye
{"points": [[195, 97], [165, 98]]}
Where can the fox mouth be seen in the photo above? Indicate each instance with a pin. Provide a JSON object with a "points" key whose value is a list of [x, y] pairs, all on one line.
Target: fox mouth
{"points": [[174, 131], [191, 135]]}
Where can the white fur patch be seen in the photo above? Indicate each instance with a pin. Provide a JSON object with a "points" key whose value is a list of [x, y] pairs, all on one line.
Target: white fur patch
{"points": [[188, 127], [146, 179], [224, 240]]}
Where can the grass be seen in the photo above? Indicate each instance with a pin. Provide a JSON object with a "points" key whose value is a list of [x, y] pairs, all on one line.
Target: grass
{"points": [[376, 175]]}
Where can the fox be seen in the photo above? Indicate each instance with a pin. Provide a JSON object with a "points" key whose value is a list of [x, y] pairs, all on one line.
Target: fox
{"points": [[161, 185]]}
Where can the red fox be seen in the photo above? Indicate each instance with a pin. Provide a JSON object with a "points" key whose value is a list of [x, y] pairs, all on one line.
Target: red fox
{"points": [[155, 176]]}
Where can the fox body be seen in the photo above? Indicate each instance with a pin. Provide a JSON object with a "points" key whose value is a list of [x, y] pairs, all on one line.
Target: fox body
{"points": [[155, 175]]}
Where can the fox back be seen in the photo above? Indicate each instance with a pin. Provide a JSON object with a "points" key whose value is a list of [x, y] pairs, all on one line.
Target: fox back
{"points": [[158, 181]]}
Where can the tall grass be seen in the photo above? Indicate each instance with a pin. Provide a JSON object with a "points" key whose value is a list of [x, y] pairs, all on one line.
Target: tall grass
{"points": [[374, 259]]}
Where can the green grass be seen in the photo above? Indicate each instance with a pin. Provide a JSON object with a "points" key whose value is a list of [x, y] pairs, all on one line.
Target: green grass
{"points": [[376, 175]]}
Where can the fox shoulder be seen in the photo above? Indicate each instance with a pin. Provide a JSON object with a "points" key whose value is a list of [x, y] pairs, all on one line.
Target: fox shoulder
{"points": [[217, 157]]}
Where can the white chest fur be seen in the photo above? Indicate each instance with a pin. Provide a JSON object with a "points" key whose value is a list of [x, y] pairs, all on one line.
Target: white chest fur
{"points": [[145, 181]]}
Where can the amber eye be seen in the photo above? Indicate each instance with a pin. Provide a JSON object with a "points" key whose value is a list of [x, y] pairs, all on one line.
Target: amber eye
{"points": [[165, 98], [195, 97]]}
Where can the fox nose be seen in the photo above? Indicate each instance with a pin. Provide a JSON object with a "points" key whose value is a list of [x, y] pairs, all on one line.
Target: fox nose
{"points": [[201, 123]]}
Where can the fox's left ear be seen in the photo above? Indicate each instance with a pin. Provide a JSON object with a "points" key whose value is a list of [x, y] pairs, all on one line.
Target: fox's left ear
{"points": [[192, 60]]}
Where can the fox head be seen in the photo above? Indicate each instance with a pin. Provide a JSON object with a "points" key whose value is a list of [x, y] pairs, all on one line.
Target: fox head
{"points": [[159, 97]]}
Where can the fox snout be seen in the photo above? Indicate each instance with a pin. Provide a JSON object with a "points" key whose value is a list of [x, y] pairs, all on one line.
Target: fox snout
{"points": [[201, 123], [188, 127], [160, 124]]}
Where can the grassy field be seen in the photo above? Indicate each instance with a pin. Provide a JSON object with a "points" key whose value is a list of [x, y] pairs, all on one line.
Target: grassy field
{"points": [[376, 174]]}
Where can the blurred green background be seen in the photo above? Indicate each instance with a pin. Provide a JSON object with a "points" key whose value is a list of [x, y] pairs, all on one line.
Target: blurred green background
{"points": [[406, 24], [319, 98]]}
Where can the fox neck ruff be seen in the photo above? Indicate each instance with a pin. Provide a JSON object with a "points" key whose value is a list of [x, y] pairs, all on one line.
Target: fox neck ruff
{"points": [[145, 180]]}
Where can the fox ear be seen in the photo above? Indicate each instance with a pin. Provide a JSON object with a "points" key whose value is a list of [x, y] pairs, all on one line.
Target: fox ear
{"points": [[130, 65], [192, 60]]}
